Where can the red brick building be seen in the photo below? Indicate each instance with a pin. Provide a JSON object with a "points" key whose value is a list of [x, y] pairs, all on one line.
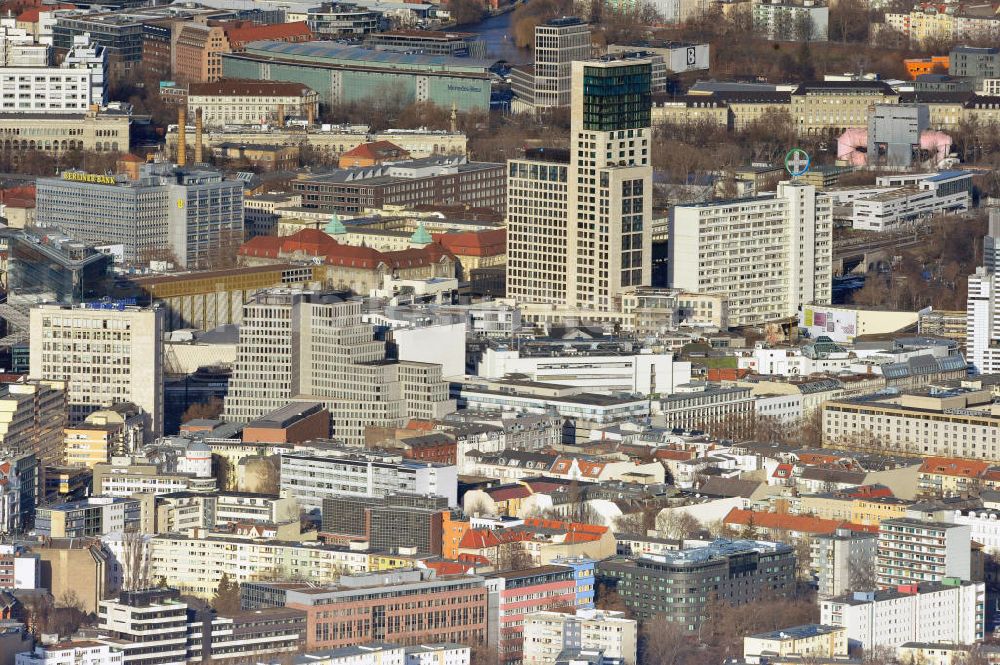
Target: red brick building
{"points": [[400, 606], [292, 423]]}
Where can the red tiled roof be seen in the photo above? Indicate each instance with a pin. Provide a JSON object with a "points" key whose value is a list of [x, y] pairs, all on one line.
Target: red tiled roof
{"points": [[313, 242], [242, 32], [508, 492], [674, 454], [492, 242], [32, 15], [797, 523], [782, 471], [557, 525], [452, 567], [134, 159], [954, 466], [19, 197], [377, 151], [419, 425]]}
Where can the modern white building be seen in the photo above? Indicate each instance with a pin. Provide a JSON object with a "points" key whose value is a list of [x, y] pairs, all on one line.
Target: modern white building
{"points": [[642, 372], [438, 654], [75, 652], [840, 560], [304, 343], [546, 634], [106, 353], [579, 222], [912, 551], [984, 525], [311, 477], [936, 193], [145, 625], [768, 255], [982, 326], [938, 612]]}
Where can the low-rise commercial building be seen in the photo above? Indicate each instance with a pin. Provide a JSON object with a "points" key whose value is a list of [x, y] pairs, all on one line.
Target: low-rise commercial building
{"points": [[808, 641]]}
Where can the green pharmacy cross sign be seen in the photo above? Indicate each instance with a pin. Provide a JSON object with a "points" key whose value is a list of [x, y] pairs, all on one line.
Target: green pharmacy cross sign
{"points": [[797, 162]]}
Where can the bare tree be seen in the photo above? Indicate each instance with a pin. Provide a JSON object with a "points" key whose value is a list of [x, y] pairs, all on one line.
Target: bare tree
{"points": [[663, 642], [135, 561], [861, 573], [678, 524]]}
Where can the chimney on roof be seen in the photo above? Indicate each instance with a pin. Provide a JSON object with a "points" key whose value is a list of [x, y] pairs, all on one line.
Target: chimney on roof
{"points": [[181, 136], [198, 137]]}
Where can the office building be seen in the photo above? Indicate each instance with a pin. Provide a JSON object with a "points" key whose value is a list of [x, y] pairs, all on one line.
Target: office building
{"points": [[229, 102], [32, 415], [105, 356], [93, 516], [568, 243], [679, 583], [546, 634], [548, 83], [842, 560], [20, 491], [667, 58], [333, 20], [948, 192], [959, 423], [428, 42], [147, 625], [357, 472], [344, 74], [767, 255], [974, 62], [126, 476], [791, 20], [46, 266], [912, 551], [387, 523], [808, 641], [73, 87], [332, 359], [949, 611], [187, 214], [440, 180], [607, 369], [197, 52], [408, 607], [238, 637]]}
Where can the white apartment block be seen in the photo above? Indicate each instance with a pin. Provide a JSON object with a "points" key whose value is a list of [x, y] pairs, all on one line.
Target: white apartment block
{"points": [[835, 557], [784, 20], [641, 372], [190, 510], [297, 344], [546, 634], [935, 612], [18, 48], [579, 225], [310, 478], [376, 653], [912, 551], [195, 565], [768, 255], [106, 356], [984, 524], [78, 652]]}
